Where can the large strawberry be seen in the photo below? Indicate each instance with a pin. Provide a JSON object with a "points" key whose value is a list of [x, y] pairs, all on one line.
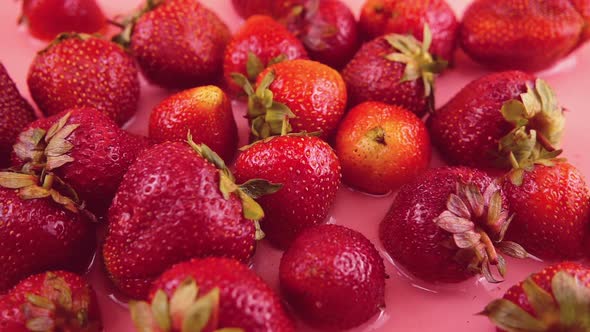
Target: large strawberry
{"points": [[448, 225], [394, 69], [521, 34], [50, 301], [309, 171], [554, 299], [274, 8], [177, 43], [211, 293], [176, 202]]}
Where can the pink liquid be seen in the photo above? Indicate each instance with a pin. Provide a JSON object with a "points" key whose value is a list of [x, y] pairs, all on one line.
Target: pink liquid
{"points": [[412, 305]]}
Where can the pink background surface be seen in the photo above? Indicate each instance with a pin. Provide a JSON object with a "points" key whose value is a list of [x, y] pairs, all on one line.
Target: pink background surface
{"points": [[412, 305]]}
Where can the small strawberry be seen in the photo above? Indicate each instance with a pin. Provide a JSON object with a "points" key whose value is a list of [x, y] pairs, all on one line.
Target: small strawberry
{"points": [[48, 18], [211, 293], [176, 202], [178, 44], [333, 277], [15, 113], [555, 299], [274, 8], [50, 301], [85, 71], [309, 171], [448, 225], [521, 34], [379, 17], [381, 147], [204, 111], [394, 69], [295, 95]]}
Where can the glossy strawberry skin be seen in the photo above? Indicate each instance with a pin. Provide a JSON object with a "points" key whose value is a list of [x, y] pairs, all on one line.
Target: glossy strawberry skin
{"points": [[309, 171], [379, 17], [246, 301], [371, 77], [180, 44], [48, 18], [169, 209], [552, 212], [468, 128], [274, 8], [333, 277]]}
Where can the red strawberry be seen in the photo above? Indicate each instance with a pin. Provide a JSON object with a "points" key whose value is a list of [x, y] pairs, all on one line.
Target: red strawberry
{"points": [[555, 299], [50, 301], [177, 43], [309, 171], [521, 34], [48, 18], [176, 202], [204, 111], [260, 42], [379, 17], [274, 8], [583, 7], [15, 112], [333, 277], [85, 71], [229, 296], [381, 147], [394, 69], [448, 225], [497, 117], [552, 205]]}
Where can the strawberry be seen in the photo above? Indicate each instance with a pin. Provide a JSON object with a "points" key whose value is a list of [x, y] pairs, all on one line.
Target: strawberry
{"points": [[212, 293], [498, 119], [50, 301], [379, 17], [448, 225], [521, 34], [583, 7], [554, 299], [84, 71], [394, 69], [260, 42], [274, 8], [204, 111], [296, 95], [15, 112], [48, 18], [381, 147], [178, 44], [333, 277], [176, 202], [309, 171], [552, 205]]}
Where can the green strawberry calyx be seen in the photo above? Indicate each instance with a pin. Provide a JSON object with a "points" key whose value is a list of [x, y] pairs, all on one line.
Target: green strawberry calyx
{"points": [[255, 66], [567, 309], [477, 223], [128, 23]]}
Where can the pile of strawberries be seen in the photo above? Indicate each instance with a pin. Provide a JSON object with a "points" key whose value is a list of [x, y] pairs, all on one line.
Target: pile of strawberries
{"points": [[329, 100]]}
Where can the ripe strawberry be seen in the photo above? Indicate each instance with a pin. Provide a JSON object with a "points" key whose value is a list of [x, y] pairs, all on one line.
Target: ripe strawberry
{"points": [[178, 44], [274, 8], [15, 112], [309, 171], [448, 225], [381, 147], [259, 43], [333, 277], [498, 119], [204, 111], [552, 205], [48, 18], [379, 17], [521, 34], [295, 95], [394, 69], [176, 202], [233, 298], [85, 71], [555, 299], [50, 301], [583, 7]]}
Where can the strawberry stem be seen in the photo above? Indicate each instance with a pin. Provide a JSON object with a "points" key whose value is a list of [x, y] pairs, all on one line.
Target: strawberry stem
{"points": [[116, 24], [545, 142]]}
